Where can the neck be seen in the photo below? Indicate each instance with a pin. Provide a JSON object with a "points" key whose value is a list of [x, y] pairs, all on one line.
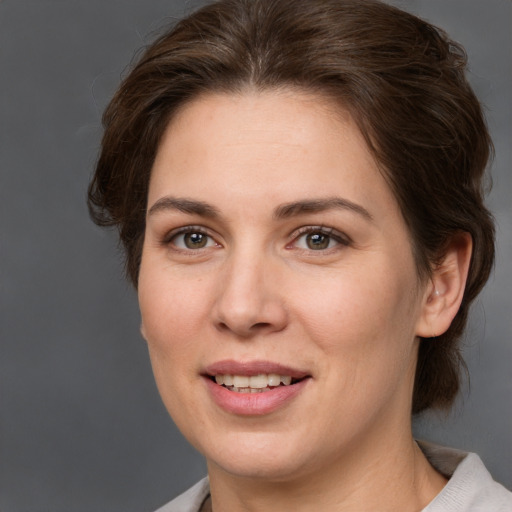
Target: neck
{"points": [[376, 475]]}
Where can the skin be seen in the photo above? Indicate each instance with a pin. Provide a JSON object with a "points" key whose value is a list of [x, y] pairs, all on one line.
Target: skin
{"points": [[349, 314]]}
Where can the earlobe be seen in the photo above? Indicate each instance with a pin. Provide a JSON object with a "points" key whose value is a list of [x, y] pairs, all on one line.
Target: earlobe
{"points": [[444, 292]]}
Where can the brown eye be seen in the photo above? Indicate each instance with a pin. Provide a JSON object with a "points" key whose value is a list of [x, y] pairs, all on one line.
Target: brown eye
{"points": [[320, 239], [195, 240], [192, 239], [317, 241]]}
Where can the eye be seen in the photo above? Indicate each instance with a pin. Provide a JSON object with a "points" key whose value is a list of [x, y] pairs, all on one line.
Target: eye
{"points": [[191, 239], [319, 239]]}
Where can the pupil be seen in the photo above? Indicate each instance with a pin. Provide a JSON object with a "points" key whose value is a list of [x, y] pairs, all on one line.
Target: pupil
{"points": [[317, 241], [195, 240]]}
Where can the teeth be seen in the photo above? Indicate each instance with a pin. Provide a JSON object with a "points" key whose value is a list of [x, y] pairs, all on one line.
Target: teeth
{"points": [[240, 381], [253, 384], [258, 381], [274, 379], [286, 380]]}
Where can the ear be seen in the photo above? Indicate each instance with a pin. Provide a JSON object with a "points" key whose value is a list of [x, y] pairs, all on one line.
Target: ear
{"points": [[443, 294]]}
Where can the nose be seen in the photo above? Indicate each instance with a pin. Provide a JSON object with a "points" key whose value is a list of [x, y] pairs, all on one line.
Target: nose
{"points": [[249, 301]]}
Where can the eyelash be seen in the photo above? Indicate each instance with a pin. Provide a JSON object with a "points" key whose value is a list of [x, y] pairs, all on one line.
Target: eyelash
{"points": [[171, 237], [331, 233]]}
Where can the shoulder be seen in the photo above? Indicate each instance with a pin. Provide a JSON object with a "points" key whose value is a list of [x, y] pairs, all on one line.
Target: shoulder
{"points": [[470, 487], [189, 501]]}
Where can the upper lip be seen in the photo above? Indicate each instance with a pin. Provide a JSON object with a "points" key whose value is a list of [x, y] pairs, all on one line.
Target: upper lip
{"points": [[251, 368]]}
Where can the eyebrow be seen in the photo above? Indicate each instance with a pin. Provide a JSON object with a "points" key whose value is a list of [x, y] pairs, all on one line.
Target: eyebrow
{"points": [[285, 211], [320, 205], [190, 206]]}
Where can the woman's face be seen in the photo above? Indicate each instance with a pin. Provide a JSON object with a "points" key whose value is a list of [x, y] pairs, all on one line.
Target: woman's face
{"points": [[274, 249]]}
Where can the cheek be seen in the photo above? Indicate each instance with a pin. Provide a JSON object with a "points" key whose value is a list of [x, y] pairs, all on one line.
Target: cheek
{"points": [[350, 302], [364, 322], [170, 316], [172, 312], [172, 309]]}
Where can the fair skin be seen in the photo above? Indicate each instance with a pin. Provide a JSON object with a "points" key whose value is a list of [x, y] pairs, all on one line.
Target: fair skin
{"points": [[273, 239]]}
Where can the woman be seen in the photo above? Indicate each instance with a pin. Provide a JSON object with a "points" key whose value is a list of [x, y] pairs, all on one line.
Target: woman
{"points": [[298, 186]]}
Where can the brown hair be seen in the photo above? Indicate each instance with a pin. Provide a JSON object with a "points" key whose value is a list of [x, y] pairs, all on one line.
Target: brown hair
{"points": [[402, 80]]}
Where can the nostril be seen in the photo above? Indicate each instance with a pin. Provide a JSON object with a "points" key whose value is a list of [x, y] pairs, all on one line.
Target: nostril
{"points": [[246, 320], [260, 325], [242, 330], [222, 326]]}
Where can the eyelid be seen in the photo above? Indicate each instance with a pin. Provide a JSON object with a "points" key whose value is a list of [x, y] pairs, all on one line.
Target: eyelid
{"points": [[336, 235], [183, 230]]}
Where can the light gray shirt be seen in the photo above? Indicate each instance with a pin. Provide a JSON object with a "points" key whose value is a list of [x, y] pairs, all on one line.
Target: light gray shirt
{"points": [[470, 487]]}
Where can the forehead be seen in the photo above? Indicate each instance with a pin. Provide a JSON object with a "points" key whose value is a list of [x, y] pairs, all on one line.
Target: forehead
{"points": [[274, 144]]}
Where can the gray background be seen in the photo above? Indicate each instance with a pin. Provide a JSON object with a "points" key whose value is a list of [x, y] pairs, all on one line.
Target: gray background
{"points": [[81, 424]]}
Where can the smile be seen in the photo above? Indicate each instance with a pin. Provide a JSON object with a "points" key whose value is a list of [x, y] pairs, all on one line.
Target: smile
{"points": [[253, 384], [254, 388]]}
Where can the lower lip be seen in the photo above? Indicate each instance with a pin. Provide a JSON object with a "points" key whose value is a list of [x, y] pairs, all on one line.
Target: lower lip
{"points": [[253, 404]]}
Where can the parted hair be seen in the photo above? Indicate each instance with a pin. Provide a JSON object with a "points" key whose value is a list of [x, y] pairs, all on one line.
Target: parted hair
{"points": [[403, 81]]}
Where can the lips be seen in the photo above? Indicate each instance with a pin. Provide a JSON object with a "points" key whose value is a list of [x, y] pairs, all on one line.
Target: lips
{"points": [[254, 384], [252, 368], [253, 388]]}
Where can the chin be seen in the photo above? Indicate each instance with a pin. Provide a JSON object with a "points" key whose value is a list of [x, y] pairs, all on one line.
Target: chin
{"points": [[257, 456], [269, 469]]}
